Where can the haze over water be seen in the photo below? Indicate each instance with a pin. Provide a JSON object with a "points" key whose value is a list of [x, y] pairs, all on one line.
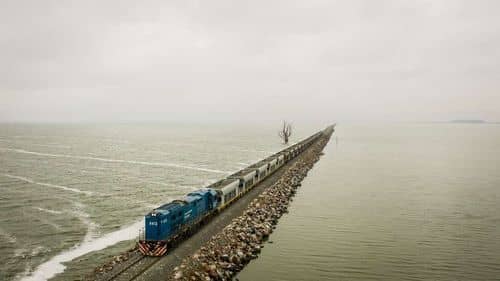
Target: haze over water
{"points": [[393, 202]]}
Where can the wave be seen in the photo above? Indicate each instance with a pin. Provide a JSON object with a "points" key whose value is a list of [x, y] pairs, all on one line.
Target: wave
{"points": [[48, 211], [54, 225], [56, 265], [90, 243], [54, 145], [162, 164], [85, 219], [28, 180], [97, 168], [20, 252], [38, 250]]}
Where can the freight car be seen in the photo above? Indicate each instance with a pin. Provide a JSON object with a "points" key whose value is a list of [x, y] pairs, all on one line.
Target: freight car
{"points": [[172, 221]]}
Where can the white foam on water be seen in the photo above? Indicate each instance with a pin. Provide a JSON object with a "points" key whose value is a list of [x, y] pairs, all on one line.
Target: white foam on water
{"points": [[55, 265], [161, 164], [54, 212], [20, 252], [98, 168], [28, 180], [38, 250], [157, 182], [54, 225], [92, 228], [55, 145], [46, 221]]}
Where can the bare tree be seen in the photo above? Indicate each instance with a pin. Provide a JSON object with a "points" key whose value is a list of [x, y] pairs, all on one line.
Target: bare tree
{"points": [[285, 132]]}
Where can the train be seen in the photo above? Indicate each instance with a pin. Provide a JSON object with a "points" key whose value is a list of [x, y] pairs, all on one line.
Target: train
{"points": [[169, 223]]}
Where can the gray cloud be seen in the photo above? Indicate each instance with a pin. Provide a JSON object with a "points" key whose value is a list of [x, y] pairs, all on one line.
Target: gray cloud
{"points": [[249, 60]]}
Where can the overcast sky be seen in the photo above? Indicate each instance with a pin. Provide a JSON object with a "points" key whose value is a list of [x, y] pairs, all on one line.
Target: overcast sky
{"points": [[249, 60]]}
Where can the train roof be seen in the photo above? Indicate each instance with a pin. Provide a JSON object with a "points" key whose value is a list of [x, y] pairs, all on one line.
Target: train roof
{"points": [[259, 164], [242, 172], [199, 192], [165, 209], [192, 197], [221, 183]]}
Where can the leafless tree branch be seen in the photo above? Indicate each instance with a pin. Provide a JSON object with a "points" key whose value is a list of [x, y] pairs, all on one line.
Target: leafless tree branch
{"points": [[286, 132]]}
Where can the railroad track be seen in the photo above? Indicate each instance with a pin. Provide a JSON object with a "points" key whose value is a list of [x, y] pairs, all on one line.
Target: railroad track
{"points": [[136, 269], [131, 269], [138, 263]]}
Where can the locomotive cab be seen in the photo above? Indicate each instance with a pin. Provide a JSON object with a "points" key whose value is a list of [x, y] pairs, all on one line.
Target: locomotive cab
{"points": [[153, 245]]}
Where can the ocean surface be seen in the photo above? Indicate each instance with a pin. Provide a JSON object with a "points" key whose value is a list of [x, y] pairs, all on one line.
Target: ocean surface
{"points": [[393, 202], [386, 202]]}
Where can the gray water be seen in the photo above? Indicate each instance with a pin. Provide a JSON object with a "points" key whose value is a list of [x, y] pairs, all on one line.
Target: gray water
{"points": [[393, 202], [386, 202], [67, 191]]}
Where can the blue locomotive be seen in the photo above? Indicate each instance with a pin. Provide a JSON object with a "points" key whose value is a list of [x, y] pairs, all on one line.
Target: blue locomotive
{"points": [[168, 223], [164, 223]]}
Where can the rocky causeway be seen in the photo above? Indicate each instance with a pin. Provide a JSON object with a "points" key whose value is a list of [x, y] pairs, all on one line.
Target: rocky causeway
{"points": [[241, 241], [221, 248]]}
